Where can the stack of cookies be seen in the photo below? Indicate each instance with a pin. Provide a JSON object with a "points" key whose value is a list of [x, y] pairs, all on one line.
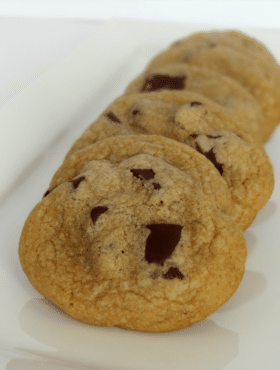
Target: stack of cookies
{"points": [[142, 224]]}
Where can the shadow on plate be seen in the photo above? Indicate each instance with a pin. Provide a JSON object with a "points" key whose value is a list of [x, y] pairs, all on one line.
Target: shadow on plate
{"points": [[205, 345], [252, 285]]}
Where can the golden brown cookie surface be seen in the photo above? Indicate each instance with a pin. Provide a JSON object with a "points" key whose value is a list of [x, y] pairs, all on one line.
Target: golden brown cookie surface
{"points": [[245, 44], [214, 53], [219, 88], [167, 113], [244, 165], [133, 240]]}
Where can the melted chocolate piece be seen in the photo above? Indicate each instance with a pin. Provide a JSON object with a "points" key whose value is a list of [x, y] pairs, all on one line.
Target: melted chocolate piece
{"points": [[173, 273], [211, 156], [156, 185], [161, 242], [135, 112], [46, 193], [146, 175], [77, 181], [194, 136], [112, 117], [96, 212], [143, 174], [159, 82], [194, 103]]}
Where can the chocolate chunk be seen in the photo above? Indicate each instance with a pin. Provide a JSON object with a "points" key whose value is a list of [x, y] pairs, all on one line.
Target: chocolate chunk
{"points": [[161, 242], [159, 82], [77, 181], [46, 193], [194, 103], [211, 156], [143, 174], [156, 185], [96, 212], [135, 112], [214, 137], [173, 273], [112, 117], [194, 136]]}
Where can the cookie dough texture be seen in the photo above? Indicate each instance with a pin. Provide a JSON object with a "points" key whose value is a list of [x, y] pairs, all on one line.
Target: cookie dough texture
{"points": [[236, 56], [176, 258]]}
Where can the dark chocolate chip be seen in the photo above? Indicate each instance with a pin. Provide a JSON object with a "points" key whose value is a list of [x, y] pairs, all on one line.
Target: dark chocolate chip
{"points": [[213, 136], [143, 174], [46, 193], [211, 156], [194, 136], [197, 147], [77, 181], [156, 185], [158, 82], [135, 112], [194, 103], [173, 273], [112, 117], [96, 212], [161, 242]]}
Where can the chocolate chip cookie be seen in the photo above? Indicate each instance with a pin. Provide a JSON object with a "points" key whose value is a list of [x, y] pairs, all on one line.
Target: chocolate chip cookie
{"points": [[221, 56], [134, 233], [221, 89], [168, 113]]}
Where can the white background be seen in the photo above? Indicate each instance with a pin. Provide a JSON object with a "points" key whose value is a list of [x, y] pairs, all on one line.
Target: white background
{"points": [[33, 37], [229, 13]]}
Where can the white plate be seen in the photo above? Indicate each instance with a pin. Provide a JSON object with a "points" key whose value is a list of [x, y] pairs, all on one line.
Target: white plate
{"points": [[35, 334]]}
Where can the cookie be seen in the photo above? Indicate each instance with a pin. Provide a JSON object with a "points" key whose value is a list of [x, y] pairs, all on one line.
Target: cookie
{"points": [[242, 43], [244, 165], [221, 89], [158, 114], [134, 234], [230, 61]]}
